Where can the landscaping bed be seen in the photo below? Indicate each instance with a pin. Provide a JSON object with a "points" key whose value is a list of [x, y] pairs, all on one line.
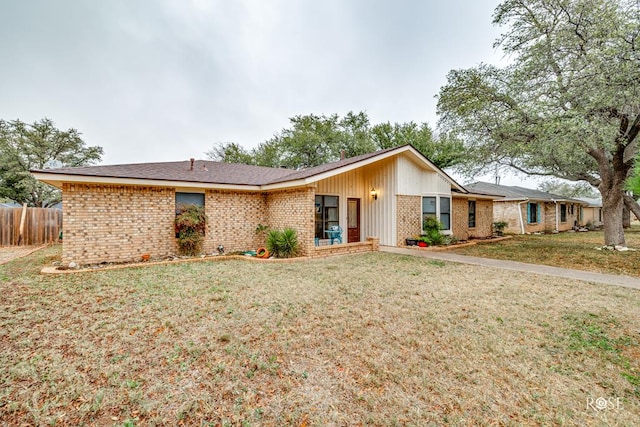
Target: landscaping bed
{"points": [[458, 244]]}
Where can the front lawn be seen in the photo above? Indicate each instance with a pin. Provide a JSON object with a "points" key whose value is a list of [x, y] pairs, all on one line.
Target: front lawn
{"points": [[375, 339], [568, 250]]}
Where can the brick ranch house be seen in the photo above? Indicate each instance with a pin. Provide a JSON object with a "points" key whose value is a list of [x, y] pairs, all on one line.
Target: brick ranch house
{"points": [[530, 211], [591, 212], [120, 212]]}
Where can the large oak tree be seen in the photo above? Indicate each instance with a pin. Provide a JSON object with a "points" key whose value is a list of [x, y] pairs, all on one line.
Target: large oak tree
{"points": [[36, 146], [568, 105]]}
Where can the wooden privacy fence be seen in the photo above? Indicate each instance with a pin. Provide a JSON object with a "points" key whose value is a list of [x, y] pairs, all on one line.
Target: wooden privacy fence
{"points": [[41, 225]]}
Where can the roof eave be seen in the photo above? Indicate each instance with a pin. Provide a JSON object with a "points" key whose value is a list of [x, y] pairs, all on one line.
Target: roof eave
{"points": [[471, 195], [56, 179]]}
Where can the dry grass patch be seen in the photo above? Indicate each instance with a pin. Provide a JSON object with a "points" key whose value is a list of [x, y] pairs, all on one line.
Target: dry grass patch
{"points": [[374, 339], [568, 250]]}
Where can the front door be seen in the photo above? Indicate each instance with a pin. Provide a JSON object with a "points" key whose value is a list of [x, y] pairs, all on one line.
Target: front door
{"points": [[353, 220]]}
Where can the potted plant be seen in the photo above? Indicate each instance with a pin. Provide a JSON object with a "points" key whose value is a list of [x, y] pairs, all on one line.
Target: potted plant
{"points": [[411, 241], [498, 227]]}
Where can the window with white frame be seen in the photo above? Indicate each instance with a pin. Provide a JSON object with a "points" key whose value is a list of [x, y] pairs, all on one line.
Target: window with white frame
{"points": [[445, 212], [437, 207], [429, 208]]}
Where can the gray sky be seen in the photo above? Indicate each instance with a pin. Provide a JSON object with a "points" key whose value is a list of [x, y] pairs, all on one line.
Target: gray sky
{"points": [[163, 80]]}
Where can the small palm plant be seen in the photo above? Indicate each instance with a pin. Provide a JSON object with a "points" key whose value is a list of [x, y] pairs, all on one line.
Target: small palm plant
{"points": [[283, 244]]}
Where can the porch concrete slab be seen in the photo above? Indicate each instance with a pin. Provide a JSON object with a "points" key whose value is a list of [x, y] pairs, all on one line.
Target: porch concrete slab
{"points": [[587, 276]]}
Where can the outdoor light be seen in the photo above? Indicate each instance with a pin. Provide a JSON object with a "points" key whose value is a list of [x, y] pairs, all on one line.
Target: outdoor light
{"points": [[374, 194]]}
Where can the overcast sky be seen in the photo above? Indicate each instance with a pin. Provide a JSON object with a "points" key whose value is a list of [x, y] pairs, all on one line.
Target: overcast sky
{"points": [[164, 80]]}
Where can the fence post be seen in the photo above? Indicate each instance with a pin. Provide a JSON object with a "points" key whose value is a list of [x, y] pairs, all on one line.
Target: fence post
{"points": [[22, 220]]}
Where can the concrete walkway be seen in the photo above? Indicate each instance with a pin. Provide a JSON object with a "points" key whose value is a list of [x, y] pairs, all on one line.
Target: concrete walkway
{"points": [[587, 276], [9, 253]]}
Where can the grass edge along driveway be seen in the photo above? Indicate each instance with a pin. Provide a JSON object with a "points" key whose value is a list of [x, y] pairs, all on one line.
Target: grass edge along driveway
{"points": [[567, 250]]}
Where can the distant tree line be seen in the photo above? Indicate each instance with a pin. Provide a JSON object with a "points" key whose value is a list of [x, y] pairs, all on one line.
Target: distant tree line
{"points": [[312, 140]]}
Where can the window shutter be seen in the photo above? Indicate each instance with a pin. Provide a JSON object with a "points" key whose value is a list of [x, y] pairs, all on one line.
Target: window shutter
{"points": [[539, 218], [528, 213]]}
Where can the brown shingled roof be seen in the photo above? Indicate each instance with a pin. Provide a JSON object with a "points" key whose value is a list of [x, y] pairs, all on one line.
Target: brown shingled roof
{"points": [[316, 170], [210, 172], [517, 193], [207, 171], [204, 171]]}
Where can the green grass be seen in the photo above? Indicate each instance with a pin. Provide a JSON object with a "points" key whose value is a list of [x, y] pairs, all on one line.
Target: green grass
{"points": [[373, 339], [568, 250]]}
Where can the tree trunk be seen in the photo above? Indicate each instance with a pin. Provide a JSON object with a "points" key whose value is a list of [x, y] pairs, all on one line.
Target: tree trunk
{"points": [[612, 218], [626, 216], [613, 174], [612, 190], [632, 205]]}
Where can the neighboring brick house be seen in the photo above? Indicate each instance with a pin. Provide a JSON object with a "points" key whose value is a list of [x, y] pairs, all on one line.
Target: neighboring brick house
{"points": [[591, 213], [529, 211], [118, 213]]}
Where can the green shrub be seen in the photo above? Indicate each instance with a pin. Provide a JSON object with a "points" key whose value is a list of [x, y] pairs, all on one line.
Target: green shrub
{"points": [[272, 242], [431, 234], [283, 244], [431, 223], [190, 225], [450, 240], [434, 238], [499, 227]]}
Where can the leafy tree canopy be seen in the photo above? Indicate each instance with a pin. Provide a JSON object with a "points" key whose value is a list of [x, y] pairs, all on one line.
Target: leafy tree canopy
{"points": [[633, 183], [312, 140], [568, 105], [37, 146], [566, 189]]}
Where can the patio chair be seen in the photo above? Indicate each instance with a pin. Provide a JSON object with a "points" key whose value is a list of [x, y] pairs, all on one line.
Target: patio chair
{"points": [[335, 234]]}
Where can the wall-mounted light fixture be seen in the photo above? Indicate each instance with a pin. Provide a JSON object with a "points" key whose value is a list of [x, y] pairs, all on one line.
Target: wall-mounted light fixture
{"points": [[374, 194]]}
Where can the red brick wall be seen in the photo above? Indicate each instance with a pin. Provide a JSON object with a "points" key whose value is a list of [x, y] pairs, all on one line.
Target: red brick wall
{"points": [[460, 220], [233, 218], [408, 217], [484, 219], [293, 209], [116, 222], [371, 245]]}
